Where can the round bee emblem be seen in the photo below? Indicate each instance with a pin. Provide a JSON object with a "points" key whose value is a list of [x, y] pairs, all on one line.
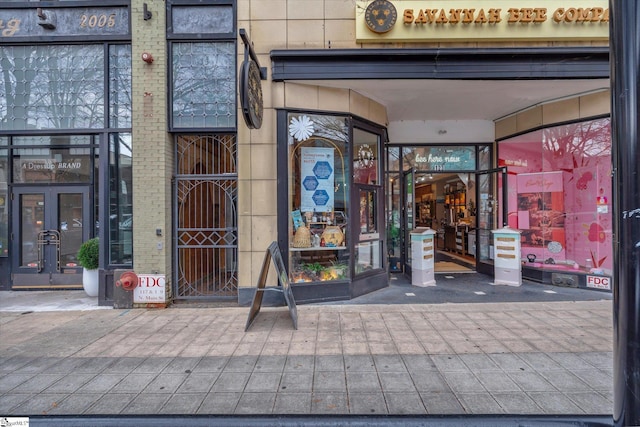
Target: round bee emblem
{"points": [[251, 94], [380, 16]]}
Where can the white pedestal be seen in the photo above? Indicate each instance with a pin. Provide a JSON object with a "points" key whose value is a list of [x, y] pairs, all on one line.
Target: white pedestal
{"points": [[507, 265], [423, 254]]}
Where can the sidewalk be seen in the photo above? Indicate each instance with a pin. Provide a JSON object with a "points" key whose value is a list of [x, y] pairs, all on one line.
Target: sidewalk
{"points": [[467, 358]]}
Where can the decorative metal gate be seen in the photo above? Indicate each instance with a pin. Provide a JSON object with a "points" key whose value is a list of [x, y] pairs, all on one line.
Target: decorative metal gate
{"points": [[206, 218]]}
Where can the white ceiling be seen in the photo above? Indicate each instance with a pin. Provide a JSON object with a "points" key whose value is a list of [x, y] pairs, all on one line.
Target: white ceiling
{"points": [[407, 100]]}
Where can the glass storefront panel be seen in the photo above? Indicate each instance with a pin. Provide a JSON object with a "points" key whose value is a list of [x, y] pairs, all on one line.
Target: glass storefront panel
{"points": [[209, 19], [52, 165], [120, 199], [204, 85], [393, 208], [4, 205], [368, 255], [52, 87], [70, 221], [32, 222], [561, 196], [120, 86], [318, 197], [366, 164]]}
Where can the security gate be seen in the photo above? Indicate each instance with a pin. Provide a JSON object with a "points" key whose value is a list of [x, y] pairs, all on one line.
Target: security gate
{"points": [[206, 217]]}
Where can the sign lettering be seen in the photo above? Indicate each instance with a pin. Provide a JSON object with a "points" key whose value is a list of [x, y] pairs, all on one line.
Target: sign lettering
{"points": [[150, 289], [51, 165], [599, 282], [456, 20], [61, 21]]}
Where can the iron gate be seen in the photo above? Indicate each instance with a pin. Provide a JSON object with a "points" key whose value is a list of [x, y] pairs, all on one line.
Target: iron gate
{"points": [[206, 219]]}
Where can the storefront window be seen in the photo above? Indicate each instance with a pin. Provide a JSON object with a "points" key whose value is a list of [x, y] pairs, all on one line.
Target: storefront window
{"points": [[52, 87], [204, 85], [318, 197], [120, 199], [4, 213], [560, 196], [368, 254], [53, 159], [120, 86], [393, 208]]}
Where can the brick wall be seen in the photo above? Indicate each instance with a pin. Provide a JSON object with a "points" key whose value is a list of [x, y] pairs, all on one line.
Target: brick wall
{"points": [[152, 146]]}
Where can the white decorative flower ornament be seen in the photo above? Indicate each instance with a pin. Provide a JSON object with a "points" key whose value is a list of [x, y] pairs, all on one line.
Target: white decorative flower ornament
{"points": [[302, 128], [365, 156]]}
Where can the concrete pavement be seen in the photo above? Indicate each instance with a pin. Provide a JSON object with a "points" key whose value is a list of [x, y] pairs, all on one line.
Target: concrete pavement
{"points": [[530, 358]]}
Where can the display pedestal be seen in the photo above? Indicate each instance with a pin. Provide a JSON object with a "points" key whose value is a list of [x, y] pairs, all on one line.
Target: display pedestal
{"points": [[508, 268], [422, 257]]}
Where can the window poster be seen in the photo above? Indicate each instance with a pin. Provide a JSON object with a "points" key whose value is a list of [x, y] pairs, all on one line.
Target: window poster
{"points": [[317, 174]]}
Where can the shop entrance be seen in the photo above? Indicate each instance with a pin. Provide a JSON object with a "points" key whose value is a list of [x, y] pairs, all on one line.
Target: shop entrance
{"points": [[50, 224], [446, 203], [462, 208]]}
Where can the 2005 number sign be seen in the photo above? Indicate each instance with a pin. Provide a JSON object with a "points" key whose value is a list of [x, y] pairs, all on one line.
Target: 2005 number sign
{"points": [[99, 21]]}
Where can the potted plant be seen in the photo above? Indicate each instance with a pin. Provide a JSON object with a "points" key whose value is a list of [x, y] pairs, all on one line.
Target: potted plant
{"points": [[338, 270], [88, 258]]}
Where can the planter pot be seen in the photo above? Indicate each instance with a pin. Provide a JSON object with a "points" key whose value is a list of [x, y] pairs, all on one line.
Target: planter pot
{"points": [[90, 282]]}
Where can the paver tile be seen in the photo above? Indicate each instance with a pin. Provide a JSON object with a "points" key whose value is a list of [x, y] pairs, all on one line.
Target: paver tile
{"points": [[367, 403]]}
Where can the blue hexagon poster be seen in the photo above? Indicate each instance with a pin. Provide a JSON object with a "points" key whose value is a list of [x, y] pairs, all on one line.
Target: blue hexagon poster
{"points": [[317, 179]]}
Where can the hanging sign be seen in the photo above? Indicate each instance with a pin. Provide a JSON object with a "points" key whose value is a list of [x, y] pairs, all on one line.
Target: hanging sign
{"points": [[317, 174]]}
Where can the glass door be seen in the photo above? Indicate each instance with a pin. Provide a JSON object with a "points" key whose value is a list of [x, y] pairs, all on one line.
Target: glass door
{"points": [[491, 214], [50, 224], [370, 238], [408, 216]]}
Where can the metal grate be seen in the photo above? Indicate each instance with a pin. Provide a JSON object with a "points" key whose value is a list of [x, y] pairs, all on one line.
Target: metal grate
{"points": [[206, 217]]}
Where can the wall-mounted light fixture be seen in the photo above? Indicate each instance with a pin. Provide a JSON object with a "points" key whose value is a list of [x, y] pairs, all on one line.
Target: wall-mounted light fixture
{"points": [[146, 14], [46, 20], [146, 57]]}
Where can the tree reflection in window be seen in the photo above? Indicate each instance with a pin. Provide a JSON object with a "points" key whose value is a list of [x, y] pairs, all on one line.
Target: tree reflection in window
{"points": [[204, 85], [52, 87]]}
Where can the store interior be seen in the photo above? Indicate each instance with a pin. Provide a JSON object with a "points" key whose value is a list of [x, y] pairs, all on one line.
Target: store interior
{"points": [[446, 203]]}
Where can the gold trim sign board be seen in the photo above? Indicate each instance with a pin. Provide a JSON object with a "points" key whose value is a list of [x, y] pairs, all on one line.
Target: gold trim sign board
{"points": [[385, 21]]}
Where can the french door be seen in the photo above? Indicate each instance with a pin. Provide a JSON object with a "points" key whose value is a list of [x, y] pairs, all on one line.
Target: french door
{"points": [[408, 216], [49, 225], [491, 215]]}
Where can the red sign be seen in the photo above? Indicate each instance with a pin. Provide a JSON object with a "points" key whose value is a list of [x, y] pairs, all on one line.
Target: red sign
{"points": [[599, 282], [150, 289]]}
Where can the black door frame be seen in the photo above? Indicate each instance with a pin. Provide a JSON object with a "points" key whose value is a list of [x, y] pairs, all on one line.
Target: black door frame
{"points": [[50, 274], [405, 236], [481, 266]]}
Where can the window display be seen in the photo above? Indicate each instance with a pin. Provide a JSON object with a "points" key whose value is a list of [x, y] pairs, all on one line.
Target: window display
{"points": [[559, 193], [318, 198]]}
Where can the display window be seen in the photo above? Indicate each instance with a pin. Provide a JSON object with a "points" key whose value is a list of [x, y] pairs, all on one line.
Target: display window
{"points": [[560, 196], [318, 199]]}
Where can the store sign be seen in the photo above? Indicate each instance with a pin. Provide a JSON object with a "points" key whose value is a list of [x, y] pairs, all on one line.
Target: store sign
{"points": [[481, 20], [599, 282], [443, 158], [49, 165], [56, 22]]}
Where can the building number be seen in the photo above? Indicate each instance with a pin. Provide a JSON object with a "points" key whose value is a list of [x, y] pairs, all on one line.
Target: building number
{"points": [[99, 21]]}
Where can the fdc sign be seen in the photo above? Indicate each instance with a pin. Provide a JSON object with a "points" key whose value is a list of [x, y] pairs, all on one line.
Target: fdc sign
{"points": [[599, 282], [150, 289]]}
